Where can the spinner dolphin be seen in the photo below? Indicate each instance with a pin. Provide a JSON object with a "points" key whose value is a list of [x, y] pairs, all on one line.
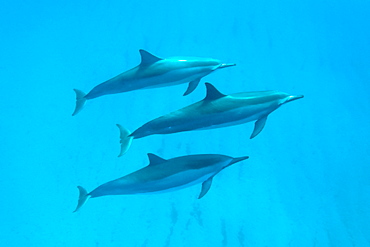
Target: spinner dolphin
{"points": [[154, 72], [163, 175], [216, 110]]}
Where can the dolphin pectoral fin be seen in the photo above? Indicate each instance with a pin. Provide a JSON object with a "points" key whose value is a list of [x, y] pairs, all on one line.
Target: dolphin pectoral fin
{"points": [[192, 86], [80, 101], [125, 139], [258, 126], [82, 198], [206, 185]]}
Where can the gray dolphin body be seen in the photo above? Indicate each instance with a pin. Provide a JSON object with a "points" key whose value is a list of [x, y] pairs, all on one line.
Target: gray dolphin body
{"points": [[165, 175], [216, 110], [153, 72]]}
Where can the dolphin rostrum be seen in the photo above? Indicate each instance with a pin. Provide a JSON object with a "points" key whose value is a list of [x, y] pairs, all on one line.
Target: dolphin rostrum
{"points": [[154, 72], [216, 110], [163, 175]]}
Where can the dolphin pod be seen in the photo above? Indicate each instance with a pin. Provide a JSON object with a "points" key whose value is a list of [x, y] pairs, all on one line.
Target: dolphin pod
{"points": [[163, 175], [216, 110], [154, 72]]}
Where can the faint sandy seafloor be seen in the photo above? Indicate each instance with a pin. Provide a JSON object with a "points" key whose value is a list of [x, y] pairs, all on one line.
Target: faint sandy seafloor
{"points": [[306, 182]]}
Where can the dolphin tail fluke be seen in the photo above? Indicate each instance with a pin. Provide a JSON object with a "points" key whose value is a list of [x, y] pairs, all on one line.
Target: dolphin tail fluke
{"points": [[125, 139], [82, 198], [80, 101]]}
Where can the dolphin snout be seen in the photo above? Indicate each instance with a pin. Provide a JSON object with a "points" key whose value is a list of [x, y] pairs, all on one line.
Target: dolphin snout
{"points": [[236, 160], [294, 97], [225, 65]]}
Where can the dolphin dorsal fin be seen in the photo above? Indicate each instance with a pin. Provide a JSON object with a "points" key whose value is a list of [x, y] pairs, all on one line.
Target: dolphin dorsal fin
{"points": [[148, 58], [212, 92], [155, 159]]}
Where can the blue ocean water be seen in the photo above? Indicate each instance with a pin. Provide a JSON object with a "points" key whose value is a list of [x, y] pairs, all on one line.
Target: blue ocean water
{"points": [[307, 182]]}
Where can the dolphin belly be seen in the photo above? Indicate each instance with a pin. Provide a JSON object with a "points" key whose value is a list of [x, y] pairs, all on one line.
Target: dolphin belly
{"points": [[235, 118], [172, 183], [193, 121], [169, 183], [123, 83]]}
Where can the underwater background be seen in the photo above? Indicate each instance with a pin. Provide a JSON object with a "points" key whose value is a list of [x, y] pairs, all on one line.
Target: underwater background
{"points": [[306, 183]]}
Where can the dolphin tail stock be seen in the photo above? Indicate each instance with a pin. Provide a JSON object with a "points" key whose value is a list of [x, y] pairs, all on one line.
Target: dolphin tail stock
{"points": [[80, 101], [125, 139], [82, 198]]}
